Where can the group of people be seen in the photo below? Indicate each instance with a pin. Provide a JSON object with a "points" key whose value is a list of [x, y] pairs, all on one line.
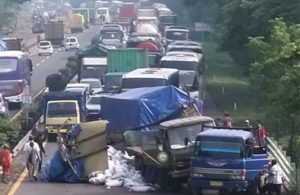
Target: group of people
{"points": [[33, 152], [228, 122]]}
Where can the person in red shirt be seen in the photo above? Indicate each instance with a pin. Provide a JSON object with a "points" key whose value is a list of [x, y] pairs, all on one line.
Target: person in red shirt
{"points": [[5, 162], [262, 132]]}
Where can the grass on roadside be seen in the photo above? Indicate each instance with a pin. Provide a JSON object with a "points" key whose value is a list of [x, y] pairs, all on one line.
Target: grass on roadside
{"points": [[227, 84]]}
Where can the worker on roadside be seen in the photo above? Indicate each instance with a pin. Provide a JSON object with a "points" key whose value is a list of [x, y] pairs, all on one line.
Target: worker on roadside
{"points": [[27, 149], [227, 120], [247, 124], [261, 131], [5, 163], [39, 139], [276, 177], [33, 160]]}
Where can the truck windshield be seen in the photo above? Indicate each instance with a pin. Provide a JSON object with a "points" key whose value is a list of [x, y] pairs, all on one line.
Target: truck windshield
{"points": [[177, 136], [218, 149], [8, 65], [180, 65], [131, 83], [61, 109], [93, 71], [113, 81], [111, 35], [177, 35]]}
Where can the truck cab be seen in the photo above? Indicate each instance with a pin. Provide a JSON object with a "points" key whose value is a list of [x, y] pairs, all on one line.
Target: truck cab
{"points": [[228, 159], [168, 150], [62, 111]]}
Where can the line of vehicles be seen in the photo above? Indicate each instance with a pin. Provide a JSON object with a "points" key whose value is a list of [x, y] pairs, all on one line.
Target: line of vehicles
{"points": [[146, 93]]}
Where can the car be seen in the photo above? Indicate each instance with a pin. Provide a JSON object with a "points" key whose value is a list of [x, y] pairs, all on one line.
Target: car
{"points": [[95, 84], [45, 47], [71, 43], [93, 106], [3, 107]]}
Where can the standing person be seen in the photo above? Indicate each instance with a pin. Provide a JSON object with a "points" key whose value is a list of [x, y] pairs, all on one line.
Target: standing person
{"points": [[247, 124], [39, 140], [261, 130], [33, 160], [27, 150], [227, 120], [5, 162], [276, 177]]}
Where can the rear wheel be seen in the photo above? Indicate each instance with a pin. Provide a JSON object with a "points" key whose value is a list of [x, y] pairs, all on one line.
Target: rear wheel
{"points": [[252, 188], [166, 182]]}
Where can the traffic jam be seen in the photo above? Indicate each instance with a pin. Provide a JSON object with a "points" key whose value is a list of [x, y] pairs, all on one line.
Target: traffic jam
{"points": [[133, 116]]}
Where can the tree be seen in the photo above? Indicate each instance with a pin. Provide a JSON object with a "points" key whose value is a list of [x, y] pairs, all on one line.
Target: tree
{"points": [[275, 72]]}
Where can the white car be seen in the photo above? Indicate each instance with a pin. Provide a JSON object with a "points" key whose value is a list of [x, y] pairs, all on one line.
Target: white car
{"points": [[94, 83], [3, 107], [45, 47], [71, 43]]}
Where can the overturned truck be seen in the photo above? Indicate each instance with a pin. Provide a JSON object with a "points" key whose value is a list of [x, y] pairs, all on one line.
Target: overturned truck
{"points": [[159, 126]]}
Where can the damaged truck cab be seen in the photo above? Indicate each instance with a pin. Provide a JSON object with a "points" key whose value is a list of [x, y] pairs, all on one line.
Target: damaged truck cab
{"points": [[228, 160], [164, 155]]}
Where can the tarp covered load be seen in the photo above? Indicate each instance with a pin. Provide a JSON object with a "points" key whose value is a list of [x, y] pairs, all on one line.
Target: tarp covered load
{"points": [[143, 107]]}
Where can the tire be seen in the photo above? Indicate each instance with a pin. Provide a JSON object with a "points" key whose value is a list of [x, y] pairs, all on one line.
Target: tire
{"points": [[138, 163], [167, 183]]}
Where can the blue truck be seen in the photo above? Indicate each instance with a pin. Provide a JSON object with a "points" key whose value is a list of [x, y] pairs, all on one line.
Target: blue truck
{"points": [[228, 160], [62, 111]]}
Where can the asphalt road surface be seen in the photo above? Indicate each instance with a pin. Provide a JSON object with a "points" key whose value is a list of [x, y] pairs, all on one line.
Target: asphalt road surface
{"points": [[45, 65], [42, 187]]}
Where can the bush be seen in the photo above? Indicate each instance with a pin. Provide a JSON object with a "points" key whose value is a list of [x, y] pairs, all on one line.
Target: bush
{"points": [[65, 73], [72, 66], [73, 59], [8, 131], [95, 40], [55, 82]]}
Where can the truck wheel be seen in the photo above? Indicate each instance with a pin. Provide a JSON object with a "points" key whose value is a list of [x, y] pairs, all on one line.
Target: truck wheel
{"points": [[138, 163], [263, 189], [166, 182]]}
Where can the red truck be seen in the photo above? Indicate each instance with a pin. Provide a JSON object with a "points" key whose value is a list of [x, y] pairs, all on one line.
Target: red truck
{"points": [[126, 15]]}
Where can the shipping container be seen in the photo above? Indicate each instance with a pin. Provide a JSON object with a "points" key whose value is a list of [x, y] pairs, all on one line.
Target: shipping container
{"points": [[125, 60], [55, 32], [127, 10]]}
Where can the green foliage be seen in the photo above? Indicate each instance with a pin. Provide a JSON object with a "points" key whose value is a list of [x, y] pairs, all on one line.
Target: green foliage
{"points": [[95, 40], [73, 59], [55, 82], [275, 73], [8, 131], [8, 11], [65, 72], [72, 66]]}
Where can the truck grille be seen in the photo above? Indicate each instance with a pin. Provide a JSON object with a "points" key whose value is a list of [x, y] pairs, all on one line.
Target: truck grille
{"points": [[217, 174]]}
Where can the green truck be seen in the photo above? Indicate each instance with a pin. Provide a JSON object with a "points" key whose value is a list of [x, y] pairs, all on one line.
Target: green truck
{"points": [[126, 60], [86, 14]]}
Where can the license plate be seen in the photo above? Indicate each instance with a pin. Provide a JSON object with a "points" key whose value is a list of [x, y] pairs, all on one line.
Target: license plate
{"points": [[216, 183]]}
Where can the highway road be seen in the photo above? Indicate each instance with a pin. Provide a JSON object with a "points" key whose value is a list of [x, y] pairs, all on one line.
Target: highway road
{"points": [[45, 65]]}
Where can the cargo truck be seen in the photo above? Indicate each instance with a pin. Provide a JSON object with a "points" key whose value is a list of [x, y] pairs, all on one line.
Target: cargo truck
{"points": [[76, 23], [63, 110], [126, 60], [233, 160], [55, 32], [85, 12]]}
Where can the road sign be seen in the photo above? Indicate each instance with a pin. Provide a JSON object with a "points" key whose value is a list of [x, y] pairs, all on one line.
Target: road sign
{"points": [[26, 101]]}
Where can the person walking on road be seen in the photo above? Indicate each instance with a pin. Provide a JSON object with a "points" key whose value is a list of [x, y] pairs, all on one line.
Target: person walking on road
{"points": [[39, 139], [276, 177], [5, 163], [227, 120], [247, 124], [33, 160], [27, 150]]}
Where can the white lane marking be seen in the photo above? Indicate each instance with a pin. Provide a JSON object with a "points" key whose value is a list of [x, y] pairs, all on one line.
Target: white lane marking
{"points": [[59, 49], [37, 64], [55, 52], [43, 61], [47, 57]]}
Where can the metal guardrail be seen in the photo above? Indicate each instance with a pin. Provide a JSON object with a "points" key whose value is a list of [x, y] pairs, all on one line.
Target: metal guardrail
{"points": [[288, 168]]}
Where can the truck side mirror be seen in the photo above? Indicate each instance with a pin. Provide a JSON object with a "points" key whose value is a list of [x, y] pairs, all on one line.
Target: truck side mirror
{"points": [[186, 141]]}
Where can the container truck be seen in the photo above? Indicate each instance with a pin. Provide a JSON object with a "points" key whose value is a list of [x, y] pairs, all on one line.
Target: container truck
{"points": [[55, 32], [76, 23], [85, 12]]}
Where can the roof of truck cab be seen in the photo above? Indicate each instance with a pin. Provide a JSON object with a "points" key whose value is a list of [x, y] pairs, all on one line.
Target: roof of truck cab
{"points": [[185, 121], [226, 133], [16, 54], [94, 61], [160, 73], [180, 58]]}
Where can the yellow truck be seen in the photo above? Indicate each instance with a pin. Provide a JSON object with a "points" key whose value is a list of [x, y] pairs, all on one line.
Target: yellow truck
{"points": [[76, 23]]}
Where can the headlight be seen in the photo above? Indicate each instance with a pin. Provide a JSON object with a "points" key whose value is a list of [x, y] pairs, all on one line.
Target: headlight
{"points": [[162, 157]]}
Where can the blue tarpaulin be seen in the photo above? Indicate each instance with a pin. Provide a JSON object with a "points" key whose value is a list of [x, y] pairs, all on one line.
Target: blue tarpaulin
{"points": [[143, 107], [59, 171]]}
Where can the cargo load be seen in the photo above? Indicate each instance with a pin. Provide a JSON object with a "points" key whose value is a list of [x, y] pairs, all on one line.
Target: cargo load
{"points": [[143, 107]]}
